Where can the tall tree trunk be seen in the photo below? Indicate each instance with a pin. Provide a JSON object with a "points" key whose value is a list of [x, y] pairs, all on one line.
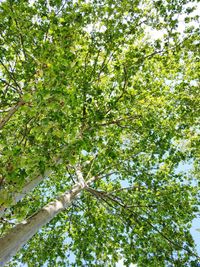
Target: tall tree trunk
{"points": [[17, 196], [21, 233]]}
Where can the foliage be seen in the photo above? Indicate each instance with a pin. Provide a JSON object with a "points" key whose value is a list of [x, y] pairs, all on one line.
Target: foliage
{"points": [[84, 82]]}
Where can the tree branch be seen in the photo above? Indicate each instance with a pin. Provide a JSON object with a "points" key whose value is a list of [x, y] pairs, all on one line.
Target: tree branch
{"points": [[10, 113], [12, 77]]}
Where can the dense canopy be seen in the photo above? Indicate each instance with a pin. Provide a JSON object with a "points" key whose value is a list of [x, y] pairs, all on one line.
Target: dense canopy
{"points": [[101, 94]]}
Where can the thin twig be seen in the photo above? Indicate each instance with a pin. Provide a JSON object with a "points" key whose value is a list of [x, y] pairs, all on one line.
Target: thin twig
{"points": [[11, 76], [9, 85]]}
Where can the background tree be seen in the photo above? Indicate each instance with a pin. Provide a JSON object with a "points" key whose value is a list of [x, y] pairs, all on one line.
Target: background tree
{"points": [[91, 102]]}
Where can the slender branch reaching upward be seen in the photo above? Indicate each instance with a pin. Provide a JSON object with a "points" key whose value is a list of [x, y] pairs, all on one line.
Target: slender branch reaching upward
{"points": [[10, 113]]}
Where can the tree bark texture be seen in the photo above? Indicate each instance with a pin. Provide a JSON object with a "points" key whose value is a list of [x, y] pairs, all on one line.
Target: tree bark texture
{"points": [[29, 186], [21, 233]]}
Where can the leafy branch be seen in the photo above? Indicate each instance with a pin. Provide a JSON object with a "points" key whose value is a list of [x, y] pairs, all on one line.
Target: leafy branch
{"points": [[10, 113]]}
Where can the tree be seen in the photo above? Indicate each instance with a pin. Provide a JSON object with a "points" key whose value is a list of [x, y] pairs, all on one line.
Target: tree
{"points": [[99, 115]]}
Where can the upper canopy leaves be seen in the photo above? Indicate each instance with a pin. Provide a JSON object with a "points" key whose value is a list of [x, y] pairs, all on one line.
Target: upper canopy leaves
{"points": [[85, 82]]}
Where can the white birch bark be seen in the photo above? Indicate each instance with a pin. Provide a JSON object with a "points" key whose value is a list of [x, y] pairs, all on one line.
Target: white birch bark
{"points": [[21, 233], [17, 196]]}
